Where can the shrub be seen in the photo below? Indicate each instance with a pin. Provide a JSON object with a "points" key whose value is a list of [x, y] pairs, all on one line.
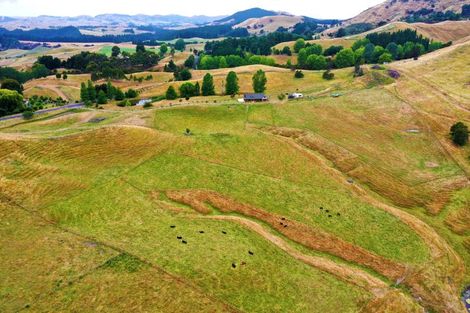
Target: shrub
{"points": [[131, 94], [281, 96], [27, 115], [299, 74], [394, 74], [459, 134], [148, 105], [328, 75]]}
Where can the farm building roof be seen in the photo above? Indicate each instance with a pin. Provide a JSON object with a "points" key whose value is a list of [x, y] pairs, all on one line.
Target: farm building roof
{"points": [[255, 96]]}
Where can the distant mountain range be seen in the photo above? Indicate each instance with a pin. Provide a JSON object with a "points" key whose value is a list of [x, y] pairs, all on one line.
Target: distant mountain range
{"points": [[115, 20], [130, 21], [138, 28]]}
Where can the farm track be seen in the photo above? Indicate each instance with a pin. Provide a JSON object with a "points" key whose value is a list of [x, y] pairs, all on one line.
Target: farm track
{"points": [[351, 275], [314, 239]]}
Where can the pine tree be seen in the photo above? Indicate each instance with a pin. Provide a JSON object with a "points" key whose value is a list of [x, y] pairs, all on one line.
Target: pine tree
{"points": [[197, 90], [84, 93], [171, 93], [91, 92], [259, 81], [110, 90], [119, 95], [208, 85], [231, 85], [102, 98]]}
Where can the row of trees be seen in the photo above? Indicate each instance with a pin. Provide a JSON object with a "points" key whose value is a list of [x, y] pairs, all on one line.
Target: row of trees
{"points": [[100, 94], [100, 66], [254, 45], [208, 62], [396, 46], [232, 87], [37, 71]]}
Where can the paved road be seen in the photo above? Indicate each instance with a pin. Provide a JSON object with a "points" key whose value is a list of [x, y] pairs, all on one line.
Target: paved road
{"points": [[67, 106]]}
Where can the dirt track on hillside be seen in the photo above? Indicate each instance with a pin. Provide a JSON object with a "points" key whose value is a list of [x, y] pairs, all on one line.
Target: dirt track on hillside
{"points": [[315, 239], [352, 275]]}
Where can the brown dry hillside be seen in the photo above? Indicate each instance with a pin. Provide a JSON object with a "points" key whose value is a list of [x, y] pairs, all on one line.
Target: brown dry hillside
{"points": [[394, 10], [269, 24], [444, 31]]}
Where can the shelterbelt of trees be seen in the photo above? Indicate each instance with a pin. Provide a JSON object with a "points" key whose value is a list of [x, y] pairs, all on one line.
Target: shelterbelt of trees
{"points": [[101, 66], [375, 48]]}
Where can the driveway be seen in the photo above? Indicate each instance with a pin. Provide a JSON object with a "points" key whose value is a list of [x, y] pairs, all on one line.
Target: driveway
{"points": [[67, 106]]}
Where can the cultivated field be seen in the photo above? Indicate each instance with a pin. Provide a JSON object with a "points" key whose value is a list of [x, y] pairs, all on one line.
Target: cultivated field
{"points": [[358, 202]]}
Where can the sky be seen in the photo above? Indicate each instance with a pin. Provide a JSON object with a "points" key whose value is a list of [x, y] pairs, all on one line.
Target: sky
{"points": [[337, 9]]}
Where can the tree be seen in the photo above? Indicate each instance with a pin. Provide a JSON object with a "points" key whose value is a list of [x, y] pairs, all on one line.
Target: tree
{"points": [[332, 50], [102, 99], [314, 49], [378, 51], [12, 84], [131, 94], [119, 95], [197, 89], [163, 49], [459, 134], [187, 90], [316, 62], [328, 75], [223, 62], [299, 74], [115, 51], [345, 58], [385, 58], [180, 44], [190, 61], [91, 92], [110, 90], [231, 84], [84, 97], [286, 51], [369, 53], [183, 75], [259, 81], [50, 62], [466, 11], [170, 67], [39, 70], [171, 93], [302, 58], [393, 49], [10, 102], [299, 44], [208, 88], [341, 33], [140, 48]]}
